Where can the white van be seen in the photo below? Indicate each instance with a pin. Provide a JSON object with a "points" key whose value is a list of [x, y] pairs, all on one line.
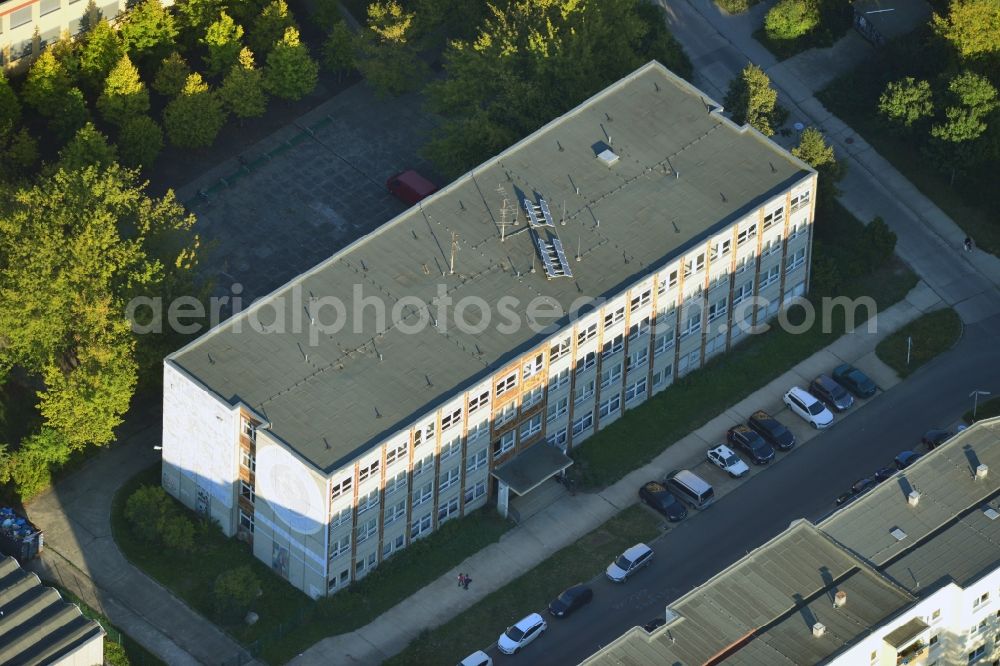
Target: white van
{"points": [[691, 489]]}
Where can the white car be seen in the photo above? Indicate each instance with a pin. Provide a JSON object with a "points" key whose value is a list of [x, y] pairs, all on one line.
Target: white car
{"points": [[808, 407], [729, 462], [522, 633], [477, 658], [629, 562]]}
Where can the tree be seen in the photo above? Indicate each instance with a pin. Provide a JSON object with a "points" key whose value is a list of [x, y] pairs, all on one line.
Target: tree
{"points": [[20, 151], [975, 92], [290, 73], [88, 147], [101, 51], [752, 100], [326, 14], [386, 58], [193, 118], [10, 108], [906, 101], [789, 19], [49, 90], [234, 590], [148, 30], [879, 243], [814, 151], [30, 466], [125, 95], [172, 75], [269, 27], [242, 92], [971, 26], [222, 39], [140, 141], [145, 510], [90, 18], [177, 533], [338, 50], [196, 15]]}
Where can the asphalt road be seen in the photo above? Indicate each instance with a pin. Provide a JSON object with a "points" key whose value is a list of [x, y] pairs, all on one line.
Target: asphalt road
{"points": [[802, 483]]}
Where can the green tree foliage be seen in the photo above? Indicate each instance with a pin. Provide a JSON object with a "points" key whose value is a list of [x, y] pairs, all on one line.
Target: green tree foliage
{"points": [[196, 15], [971, 26], [149, 30], [90, 18], [879, 243], [386, 57], [234, 590], [140, 141], [193, 118], [338, 50], [290, 73], [30, 467], [10, 108], [222, 39], [814, 151], [326, 14], [155, 518], [88, 147], [270, 27], [789, 19], [49, 90], [172, 75], [242, 91], [74, 249], [906, 101], [67, 51], [752, 100], [974, 92], [125, 95], [101, 51], [528, 62], [451, 19], [20, 155]]}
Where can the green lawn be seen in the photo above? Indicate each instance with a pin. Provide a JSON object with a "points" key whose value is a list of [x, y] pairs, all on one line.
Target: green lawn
{"points": [[932, 334], [289, 620], [985, 410], [835, 21], [480, 625], [973, 200], [690, 402]]}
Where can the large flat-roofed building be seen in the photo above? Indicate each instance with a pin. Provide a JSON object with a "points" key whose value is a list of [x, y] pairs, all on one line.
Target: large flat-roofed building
{"points": [[907, 574], [486, 331]]}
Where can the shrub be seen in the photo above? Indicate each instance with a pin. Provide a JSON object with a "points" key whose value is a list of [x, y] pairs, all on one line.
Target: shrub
{"points": [[114, 654], [177, 533], [234, 591], [791, 18], [735, 6], [146, 510], [879, 241]]}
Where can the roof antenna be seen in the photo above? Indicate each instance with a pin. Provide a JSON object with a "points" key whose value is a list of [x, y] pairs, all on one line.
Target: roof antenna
{"points": [[562, 221], [578, 243], [378, 414], [532, 263], [454, 248], [504, 207]]}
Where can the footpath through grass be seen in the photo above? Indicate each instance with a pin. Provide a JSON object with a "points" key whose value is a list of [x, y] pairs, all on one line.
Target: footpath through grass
{"points": [[932, 334], [289, 620], [480, 625], [986, 409]]}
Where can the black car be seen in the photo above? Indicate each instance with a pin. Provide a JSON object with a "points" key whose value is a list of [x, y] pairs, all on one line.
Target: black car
{"points": [[772, 430], [860, 487], [905, 459], [751, 443], [656, 495], [570, 600], [854, 380], [883, 473], [654, 624], [833, 394], [935, 438]]}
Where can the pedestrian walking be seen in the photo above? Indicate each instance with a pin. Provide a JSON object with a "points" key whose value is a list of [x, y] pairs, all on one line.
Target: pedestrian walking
{"points": [[461, 580], [465, 584], [968, 244]]}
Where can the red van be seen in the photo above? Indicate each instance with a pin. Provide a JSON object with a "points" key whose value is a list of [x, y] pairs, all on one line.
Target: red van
{"points": [[410, 187]]}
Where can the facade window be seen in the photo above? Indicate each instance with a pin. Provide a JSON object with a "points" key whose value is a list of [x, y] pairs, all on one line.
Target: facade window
{"points": [[449, 510], [742, 293], [936, 615], [689, 361], [717, 309], [479, 401], [475, 492], [248, 428], [641, 328], [475, 461], [246, 521], [561, 378], [635, 390], [660, 377], [48, 6], [557, 408], [420, 527], [612, 375], [612, 405], [247, 460], [338, 548], [796, 260], [504, 444], [979, 601], [587, 362], [584, 391], [532, 397], [641, 300], [367, 529], [745, 262], [559, 349], [614, 317], [976, 654], [478, 430], [774, 217], [747, 234], [583, 423], [395, 512], [534, 366], [614, 345], [395, 455], [448, 479], [692, 326], [368, 501], [771, 246], [20, 17], [672, 279], [637, 359], [587, 334], [663, 342], [451, 449], [342, 517], [505, 414], [531, 427], [800, 201], [933, 640], [557, 438], [772, 275], [721, 248], [507, 383], [389, 547], [422, 494], [424, 464], [451, 419], [343, 487], [368, 471]]}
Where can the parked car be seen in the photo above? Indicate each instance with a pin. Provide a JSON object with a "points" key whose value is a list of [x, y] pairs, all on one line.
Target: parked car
{"points": [[751, 443], [629, 562], [883, 473], [833, 394], [729, 462], [654, 624], [519, 635], [808, 407], [860, 487], [854, 380], [656, 495], [410, 187], [772, 430], [935, 438], [571, 600], [905, 459], [477, 658]]}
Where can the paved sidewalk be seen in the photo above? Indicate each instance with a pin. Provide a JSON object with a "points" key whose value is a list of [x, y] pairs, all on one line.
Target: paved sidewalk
{"points": [[81, 555], [571, 517]]}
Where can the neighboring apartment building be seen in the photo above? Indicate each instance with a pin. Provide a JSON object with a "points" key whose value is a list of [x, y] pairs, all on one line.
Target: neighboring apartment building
{"points": [[907, 574], [38, 627], [329, 452]]}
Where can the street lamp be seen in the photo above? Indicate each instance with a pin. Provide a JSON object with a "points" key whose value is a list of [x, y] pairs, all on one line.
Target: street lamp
{"points": [[975, 401]]}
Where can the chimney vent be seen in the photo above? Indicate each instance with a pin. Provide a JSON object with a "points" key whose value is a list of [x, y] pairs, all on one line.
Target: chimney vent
{"points": [[913, 498], [982, 471], [819, 629], [839, 599]]}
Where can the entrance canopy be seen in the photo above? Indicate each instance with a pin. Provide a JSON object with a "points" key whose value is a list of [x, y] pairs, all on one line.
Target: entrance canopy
{"points": [[531, 468]]}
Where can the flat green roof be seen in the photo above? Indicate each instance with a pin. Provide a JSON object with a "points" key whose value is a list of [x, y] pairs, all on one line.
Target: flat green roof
{"points": [[684, 172]]}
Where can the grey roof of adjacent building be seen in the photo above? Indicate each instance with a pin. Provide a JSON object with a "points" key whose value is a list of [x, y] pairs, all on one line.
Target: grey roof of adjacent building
{"points": [[684, 172], [36, 625], [893, 18], [761, 610]]}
